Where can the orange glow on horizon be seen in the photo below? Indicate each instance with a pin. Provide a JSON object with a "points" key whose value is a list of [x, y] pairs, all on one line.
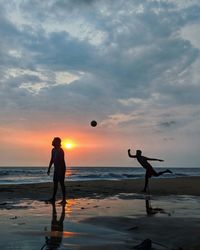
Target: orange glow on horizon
{"points": [[82, 148]]}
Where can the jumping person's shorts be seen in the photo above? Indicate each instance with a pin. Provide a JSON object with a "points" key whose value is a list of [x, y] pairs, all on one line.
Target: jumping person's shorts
{"points": [[150, 172]]}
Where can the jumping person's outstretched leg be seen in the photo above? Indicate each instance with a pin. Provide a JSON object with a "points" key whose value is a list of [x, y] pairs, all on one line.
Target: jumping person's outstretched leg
{"points": [[153, 173], [163, 172]]}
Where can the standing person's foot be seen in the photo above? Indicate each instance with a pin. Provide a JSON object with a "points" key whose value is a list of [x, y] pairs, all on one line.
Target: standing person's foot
{"points": [[169, 171]]}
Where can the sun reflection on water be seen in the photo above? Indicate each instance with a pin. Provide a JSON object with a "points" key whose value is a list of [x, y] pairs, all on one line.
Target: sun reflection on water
{"points": [[68, 207]]}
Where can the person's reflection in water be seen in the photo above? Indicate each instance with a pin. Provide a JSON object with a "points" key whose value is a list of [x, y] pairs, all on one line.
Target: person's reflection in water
{"points": [[54, 241], [153, 211]]}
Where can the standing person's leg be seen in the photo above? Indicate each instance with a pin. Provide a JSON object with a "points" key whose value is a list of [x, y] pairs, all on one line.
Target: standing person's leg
{"points": [[62, 184], [55, 188]]}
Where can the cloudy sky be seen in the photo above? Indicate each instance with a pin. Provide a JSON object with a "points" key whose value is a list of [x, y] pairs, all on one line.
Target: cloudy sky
{"points": [[132, 65]]}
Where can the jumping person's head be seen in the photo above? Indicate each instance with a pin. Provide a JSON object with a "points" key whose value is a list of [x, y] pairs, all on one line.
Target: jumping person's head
{"points": [[138, 152], [56, 142]]}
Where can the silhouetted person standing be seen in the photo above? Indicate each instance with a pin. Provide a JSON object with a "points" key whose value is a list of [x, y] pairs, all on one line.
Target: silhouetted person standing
{"points": [[145, 164], [58, 159]]}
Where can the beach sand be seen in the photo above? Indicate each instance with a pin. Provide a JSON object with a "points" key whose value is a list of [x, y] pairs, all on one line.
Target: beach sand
{"points": [[102, 215], [103, 188]]}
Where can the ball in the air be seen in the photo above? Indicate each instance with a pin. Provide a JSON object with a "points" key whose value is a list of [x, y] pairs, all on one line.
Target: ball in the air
{"points": [[93, 123]]}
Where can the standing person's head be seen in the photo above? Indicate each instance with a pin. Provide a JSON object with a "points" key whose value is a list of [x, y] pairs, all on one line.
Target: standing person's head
{"points": [[56, 142], [138, 152]]}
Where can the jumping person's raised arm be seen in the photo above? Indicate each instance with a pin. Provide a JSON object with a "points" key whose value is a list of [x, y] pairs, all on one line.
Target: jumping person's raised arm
{"points": [[153, 159], [130, 155]]}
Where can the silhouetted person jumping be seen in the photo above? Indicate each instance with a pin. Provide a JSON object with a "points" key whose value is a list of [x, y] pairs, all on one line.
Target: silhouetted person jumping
{"points": [[145, 164], [58, 159]]}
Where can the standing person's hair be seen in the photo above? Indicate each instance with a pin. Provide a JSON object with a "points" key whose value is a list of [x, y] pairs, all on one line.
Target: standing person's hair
{"points": [[56, 142]]}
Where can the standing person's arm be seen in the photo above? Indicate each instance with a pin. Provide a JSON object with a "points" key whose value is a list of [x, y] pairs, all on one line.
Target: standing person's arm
{"points": [[50, 163], [130, 155]]}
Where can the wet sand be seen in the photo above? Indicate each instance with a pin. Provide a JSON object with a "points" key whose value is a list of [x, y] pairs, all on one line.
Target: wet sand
{"points": [[104, 188], [102, 215], [118, 222]]}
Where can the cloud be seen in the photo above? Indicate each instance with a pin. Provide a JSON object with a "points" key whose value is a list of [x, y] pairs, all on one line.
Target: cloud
{"points": [[167, 124]]}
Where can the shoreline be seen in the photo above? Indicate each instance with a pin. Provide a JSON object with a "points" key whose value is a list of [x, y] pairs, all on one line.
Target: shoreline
{"points": [[103, 188]]}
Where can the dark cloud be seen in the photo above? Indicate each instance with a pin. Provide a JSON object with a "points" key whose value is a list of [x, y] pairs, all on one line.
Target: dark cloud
{"points": [[167, 124]]}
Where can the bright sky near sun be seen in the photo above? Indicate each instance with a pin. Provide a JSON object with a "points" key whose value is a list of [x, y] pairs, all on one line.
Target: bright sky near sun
{"points": [[131, 65], [68, 144]]}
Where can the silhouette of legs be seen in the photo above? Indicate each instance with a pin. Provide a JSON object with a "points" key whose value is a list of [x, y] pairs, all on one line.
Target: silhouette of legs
{"points": [[55, 188], [162, 172], [153, 173], [62, 184], [146, 183]]}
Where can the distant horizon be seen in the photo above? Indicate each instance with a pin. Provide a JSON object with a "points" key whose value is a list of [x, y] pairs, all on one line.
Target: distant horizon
{"points": [[98, 167]]}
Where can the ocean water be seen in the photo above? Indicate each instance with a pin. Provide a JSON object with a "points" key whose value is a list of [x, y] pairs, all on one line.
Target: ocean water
{"points": [[24, 175]]}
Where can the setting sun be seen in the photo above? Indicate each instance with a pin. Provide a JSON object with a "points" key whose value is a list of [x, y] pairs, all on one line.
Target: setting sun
{"points": [[68, 144]]}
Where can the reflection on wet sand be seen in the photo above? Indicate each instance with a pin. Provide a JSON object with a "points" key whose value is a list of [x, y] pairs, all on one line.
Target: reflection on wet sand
{"points": [[68, 208], [153, 211], [54, 241]]}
